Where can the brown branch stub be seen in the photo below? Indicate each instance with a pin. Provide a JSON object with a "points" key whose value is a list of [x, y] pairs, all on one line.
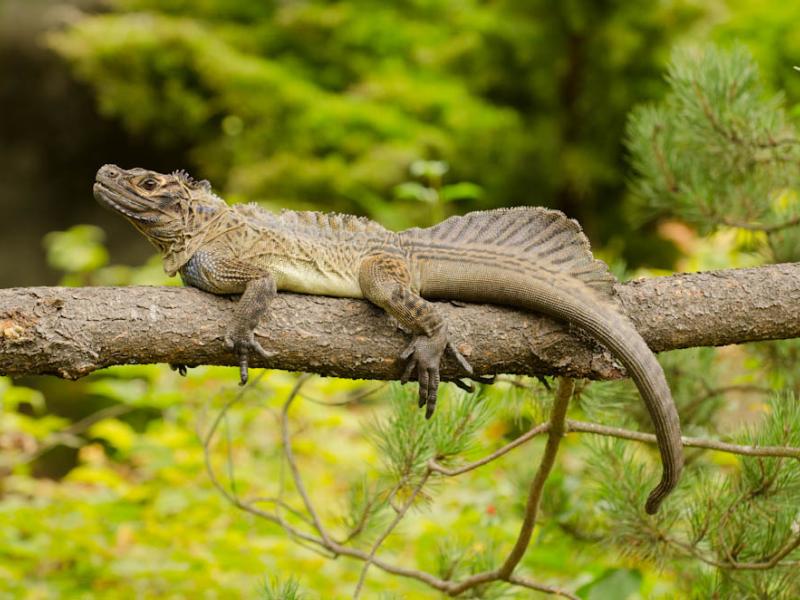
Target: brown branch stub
{"points": [[70, 332]]}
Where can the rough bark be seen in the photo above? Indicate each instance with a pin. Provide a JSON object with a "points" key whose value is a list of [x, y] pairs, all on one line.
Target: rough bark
{"points": [[70, 332]]}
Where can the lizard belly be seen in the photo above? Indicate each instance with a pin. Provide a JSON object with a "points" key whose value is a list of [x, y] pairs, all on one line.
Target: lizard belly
{"points": [[308, 280]]}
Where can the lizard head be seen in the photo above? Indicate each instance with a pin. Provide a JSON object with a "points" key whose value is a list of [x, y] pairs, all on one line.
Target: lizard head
{"points": [[170, 210]]}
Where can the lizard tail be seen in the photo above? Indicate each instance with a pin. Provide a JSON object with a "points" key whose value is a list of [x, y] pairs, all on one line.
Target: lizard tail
{"points": [[554, 296], [538, 259]]}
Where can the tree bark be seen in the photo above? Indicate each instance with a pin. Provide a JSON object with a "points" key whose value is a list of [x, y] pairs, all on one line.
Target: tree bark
{"points": [[70, 332]]}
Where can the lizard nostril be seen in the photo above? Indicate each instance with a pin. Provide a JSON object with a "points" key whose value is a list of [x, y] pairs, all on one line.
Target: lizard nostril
{"points": [[109, 171]]}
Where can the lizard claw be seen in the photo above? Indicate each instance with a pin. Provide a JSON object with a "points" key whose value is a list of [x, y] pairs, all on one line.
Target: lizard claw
{"points": [[468, 387], [181, 369], [409, 370], [465, 366], [462, 362], [424, 354], [242, 345]]}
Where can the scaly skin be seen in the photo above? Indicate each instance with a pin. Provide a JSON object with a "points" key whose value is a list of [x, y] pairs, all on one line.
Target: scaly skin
{"points": [[532, 258]]}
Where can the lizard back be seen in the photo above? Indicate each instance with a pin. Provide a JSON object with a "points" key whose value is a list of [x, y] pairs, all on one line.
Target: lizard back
{"points": [[310, 252]]}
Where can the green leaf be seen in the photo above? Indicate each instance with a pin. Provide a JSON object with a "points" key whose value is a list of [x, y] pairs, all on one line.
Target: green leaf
{"points": [[12, 396], [77, 250], [461, 191], [130, 391], [411, 190], [117, 433], [429, 169]]}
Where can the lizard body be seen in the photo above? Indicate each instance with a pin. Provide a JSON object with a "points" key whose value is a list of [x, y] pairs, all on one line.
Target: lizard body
{"points": [[529, 257]]}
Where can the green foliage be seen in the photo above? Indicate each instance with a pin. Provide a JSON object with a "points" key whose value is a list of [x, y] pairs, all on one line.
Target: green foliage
{"points": [[276, 589], [744, 519], [77, 252], [256, 119], [329, 104], [770, 30], [407, 442], [622, 485], [717, 152]]}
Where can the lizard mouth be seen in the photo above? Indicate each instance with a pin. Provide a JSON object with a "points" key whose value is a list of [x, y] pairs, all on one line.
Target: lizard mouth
{"points": [[120, 201]]}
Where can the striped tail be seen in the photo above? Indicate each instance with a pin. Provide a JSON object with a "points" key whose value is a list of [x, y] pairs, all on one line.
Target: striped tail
{"points": [[539, 260]]}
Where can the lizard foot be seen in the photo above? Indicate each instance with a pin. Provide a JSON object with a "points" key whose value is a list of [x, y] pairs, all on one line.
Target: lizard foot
{"points": [[180, 368], [242, 344], [424, 354]]}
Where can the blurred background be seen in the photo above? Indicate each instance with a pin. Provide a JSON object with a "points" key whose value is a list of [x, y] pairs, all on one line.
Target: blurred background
{"points": [[402, 110]]}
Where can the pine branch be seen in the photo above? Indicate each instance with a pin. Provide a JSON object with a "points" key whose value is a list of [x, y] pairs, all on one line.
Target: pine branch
{"points": [[317, 538], [71, 332], [321, 541]]}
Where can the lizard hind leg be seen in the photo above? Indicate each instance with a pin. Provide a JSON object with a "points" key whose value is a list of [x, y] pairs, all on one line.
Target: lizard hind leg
{"points": [[386, 281]]}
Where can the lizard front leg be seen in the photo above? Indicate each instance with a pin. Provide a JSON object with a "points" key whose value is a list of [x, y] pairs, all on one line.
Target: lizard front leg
{"points": [[386, 281], [252, 305], [211, 272]]}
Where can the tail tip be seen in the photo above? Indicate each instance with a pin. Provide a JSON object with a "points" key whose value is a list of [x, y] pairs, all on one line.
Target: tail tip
{"points": [[661, 491], [652, 505]]}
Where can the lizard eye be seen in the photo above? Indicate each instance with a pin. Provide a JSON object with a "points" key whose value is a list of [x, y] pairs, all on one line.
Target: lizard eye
{"points": [[149, 184]]}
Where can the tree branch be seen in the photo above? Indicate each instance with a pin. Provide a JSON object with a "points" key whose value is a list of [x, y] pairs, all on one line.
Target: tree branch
{"points": [[71, 332]]}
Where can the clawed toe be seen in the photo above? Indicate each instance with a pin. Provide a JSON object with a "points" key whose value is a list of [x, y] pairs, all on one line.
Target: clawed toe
{"points": [[424, 354], [242, 346], [462, 362], [467, 387], [180, 368]]}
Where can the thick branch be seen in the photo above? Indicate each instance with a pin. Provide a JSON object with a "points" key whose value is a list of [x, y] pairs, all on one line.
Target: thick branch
{"points": [[70, 332]]}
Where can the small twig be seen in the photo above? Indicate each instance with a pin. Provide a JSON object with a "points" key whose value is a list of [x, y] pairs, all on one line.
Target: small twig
{"points": [[299, 537], [701, 532], [362, 522], [730, 134], [206, 440], [669, 176], [287, 449], [229, 457], [63, 436], [306, 540], [711, 392], [548, 589], [530, 434], [283, 504], [759, 227], [581, 426], [398, 517], [353, 400], [791, 545]]}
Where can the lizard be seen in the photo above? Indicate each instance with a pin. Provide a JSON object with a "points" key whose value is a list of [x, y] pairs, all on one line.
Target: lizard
{"points": [[532, 258]]}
